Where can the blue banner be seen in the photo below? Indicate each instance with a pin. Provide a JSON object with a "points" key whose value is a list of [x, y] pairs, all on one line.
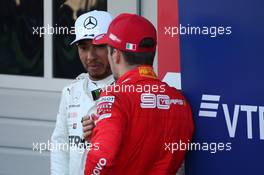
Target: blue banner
{"points": [[222, 69]]}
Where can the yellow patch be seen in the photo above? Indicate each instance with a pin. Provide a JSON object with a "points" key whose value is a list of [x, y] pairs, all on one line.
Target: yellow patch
{"points": [[147, 72]]}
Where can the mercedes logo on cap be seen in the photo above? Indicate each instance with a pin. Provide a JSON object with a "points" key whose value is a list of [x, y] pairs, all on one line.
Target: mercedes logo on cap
{"points": [[90, 23]]}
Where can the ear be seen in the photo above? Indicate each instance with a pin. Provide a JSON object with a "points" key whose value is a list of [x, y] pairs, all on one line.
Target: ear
{"points": [[117, 57]]}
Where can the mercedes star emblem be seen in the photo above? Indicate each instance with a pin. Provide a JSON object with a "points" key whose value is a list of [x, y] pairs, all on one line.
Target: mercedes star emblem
{"points": [[90, 23]]}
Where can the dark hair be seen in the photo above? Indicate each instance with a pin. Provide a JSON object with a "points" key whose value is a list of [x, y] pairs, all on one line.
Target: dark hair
{"points": [[139, 58]]}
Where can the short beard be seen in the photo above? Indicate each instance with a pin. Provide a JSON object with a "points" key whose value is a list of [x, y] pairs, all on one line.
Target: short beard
{"points": [[106, 73]]}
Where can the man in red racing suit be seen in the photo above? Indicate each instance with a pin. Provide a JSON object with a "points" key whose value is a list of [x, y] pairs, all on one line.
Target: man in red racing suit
{"points": [[141, 120]]}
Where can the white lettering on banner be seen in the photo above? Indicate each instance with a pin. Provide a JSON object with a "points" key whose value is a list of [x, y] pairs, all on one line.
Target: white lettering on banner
{"points": [[249, 110], [232, 125], [209, 103], [261, 122]]}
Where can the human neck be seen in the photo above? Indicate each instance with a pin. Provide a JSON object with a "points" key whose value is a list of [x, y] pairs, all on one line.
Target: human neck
{"points": [[126, 69]]}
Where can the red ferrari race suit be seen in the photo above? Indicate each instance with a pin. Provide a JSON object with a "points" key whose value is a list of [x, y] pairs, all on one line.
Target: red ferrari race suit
{"points": [[139, 118]]}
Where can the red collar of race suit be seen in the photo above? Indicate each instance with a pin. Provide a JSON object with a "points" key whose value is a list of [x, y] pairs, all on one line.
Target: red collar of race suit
{"points": [[143, 71]]}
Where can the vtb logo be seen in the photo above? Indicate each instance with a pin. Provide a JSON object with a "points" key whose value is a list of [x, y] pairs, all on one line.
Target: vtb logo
{"points": [[210, 106]]}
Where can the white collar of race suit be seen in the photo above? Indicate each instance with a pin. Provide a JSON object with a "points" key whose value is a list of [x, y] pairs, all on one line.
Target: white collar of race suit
{"points": [[91, 85], [102, 83]]}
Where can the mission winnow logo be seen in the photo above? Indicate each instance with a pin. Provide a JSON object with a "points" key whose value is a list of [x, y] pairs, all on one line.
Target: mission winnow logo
{"points": [[210, 106]]}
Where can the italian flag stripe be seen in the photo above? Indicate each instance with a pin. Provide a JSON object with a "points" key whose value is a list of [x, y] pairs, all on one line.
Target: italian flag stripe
{"points": [[130, 46]]}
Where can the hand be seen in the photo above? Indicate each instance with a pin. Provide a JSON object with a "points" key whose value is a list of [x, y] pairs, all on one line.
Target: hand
{"points": [[88, 125]]}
